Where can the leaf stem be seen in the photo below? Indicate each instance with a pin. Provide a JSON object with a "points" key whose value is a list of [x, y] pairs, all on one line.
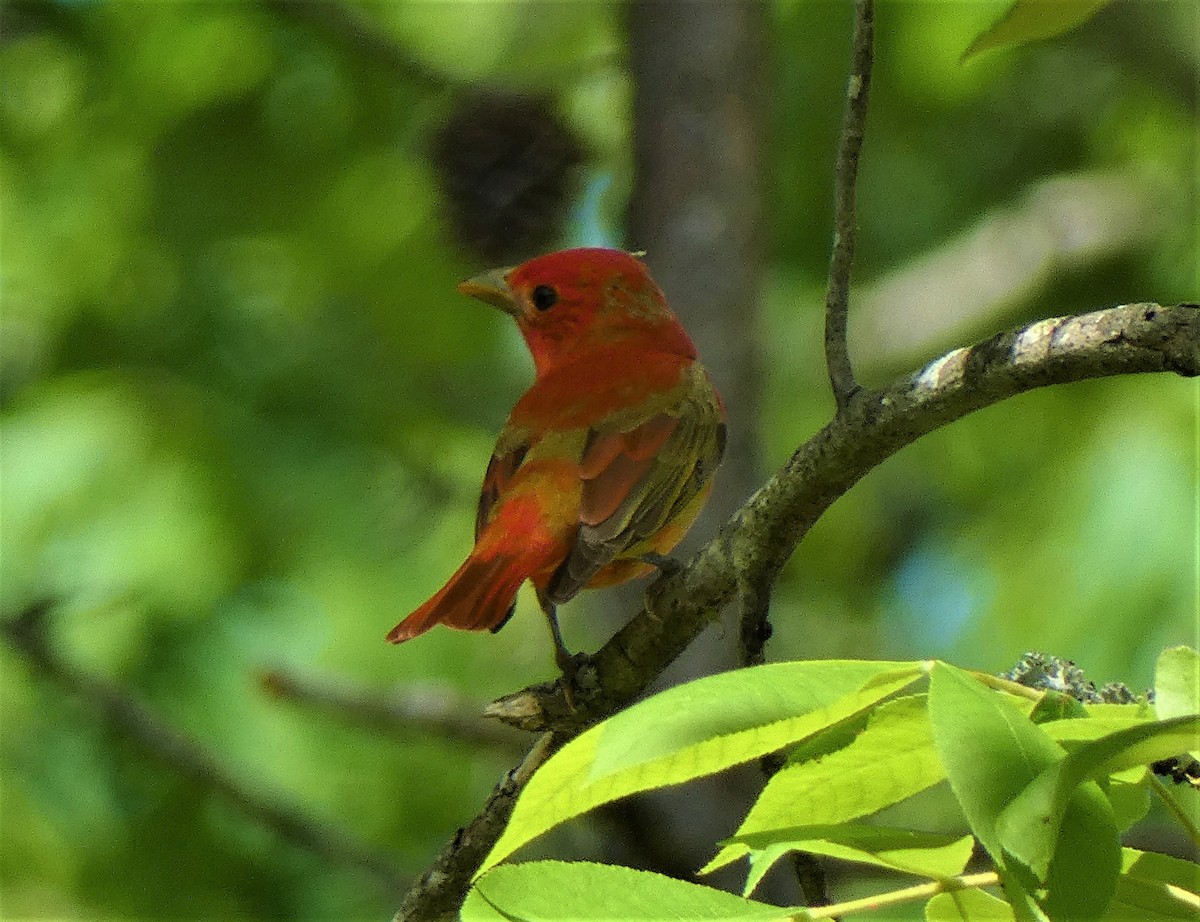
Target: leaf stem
{"points": [[1173, 807], [907, 895], [1007, 685]]}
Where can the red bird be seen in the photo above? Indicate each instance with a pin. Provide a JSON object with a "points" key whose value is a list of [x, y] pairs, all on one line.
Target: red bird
{"points": [[605, 461]]}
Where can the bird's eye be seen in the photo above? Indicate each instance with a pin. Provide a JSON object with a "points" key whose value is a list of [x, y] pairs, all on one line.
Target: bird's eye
{"points": [[544, 297]]}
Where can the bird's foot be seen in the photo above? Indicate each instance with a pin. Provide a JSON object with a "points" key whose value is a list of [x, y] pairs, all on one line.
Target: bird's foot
{"points": [[576, 670], [667, 567]]}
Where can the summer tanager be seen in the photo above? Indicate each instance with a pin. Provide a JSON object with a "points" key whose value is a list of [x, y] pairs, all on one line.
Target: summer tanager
{"points": [[605, 461]]}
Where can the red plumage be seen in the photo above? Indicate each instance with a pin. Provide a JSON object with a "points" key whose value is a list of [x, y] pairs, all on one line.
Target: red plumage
{"points": [[605, 460]]}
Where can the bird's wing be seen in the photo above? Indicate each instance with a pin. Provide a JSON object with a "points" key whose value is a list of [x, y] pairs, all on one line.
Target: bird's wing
{"points": [[556, 415], [510, 451], [511, 448], [638, 476]]}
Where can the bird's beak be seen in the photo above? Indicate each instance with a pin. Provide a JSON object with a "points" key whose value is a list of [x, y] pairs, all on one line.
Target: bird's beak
{"points": [[492, 288]]}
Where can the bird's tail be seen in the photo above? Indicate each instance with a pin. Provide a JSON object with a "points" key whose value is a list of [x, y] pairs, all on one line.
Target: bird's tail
{"points": [[479, 596], [520, 542]]}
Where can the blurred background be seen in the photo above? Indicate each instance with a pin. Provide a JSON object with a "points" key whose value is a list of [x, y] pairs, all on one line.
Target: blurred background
{"points": [[245, 414]]}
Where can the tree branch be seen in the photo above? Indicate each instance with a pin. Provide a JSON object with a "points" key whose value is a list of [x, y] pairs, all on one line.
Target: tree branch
{"points": [[26, 634], [763, 534], [854, 119]]}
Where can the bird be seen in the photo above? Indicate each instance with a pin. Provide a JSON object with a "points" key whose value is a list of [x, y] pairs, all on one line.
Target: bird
{"points": [[605, 461]]}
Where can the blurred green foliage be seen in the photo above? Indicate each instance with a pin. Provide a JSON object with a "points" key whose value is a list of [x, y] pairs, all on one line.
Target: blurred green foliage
{"points": [[245, 414]]}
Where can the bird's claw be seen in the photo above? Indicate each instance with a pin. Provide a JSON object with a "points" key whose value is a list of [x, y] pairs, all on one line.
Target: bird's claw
{"points": [[572, 665], [667, 567]]}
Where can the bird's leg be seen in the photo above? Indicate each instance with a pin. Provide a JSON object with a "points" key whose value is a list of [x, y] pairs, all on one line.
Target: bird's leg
{"points": [[567, 662]]}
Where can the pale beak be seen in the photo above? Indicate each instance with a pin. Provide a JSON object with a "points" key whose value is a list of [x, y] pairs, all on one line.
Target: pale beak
{"points": [[492, 288]]}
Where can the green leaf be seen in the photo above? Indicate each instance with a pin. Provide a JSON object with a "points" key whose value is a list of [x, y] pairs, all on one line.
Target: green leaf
{"points": [[992, 752], [1183, 802], [1064, 829], [1032, 20], [693, 730], [1029, 827], [1127, 790], [1140, 710], [1072, 732], [972, 905], [735, 701], [890, 760], [819, 745], [559, 891], [1155, 887], [1084, 858], [1152, 866], [928, 854], [1177, 687], [1022, 901], [1130, 799]]}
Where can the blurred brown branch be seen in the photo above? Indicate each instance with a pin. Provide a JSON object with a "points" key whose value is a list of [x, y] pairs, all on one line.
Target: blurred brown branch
{"points": [[436, 711], [26, 635]]}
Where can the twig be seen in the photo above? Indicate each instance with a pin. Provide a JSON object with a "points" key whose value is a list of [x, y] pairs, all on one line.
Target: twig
{"points": [[837, 295], [1130, 339], [425, 710], [754, 586], [1016, 689], [26, 634]]}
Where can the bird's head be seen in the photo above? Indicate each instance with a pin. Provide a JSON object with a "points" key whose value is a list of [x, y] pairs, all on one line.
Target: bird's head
{"points": [[569, 302]]}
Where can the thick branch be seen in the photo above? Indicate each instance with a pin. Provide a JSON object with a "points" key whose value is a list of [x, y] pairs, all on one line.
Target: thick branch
{"points": [[854, 120], [27, 636], [763, 534]]}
